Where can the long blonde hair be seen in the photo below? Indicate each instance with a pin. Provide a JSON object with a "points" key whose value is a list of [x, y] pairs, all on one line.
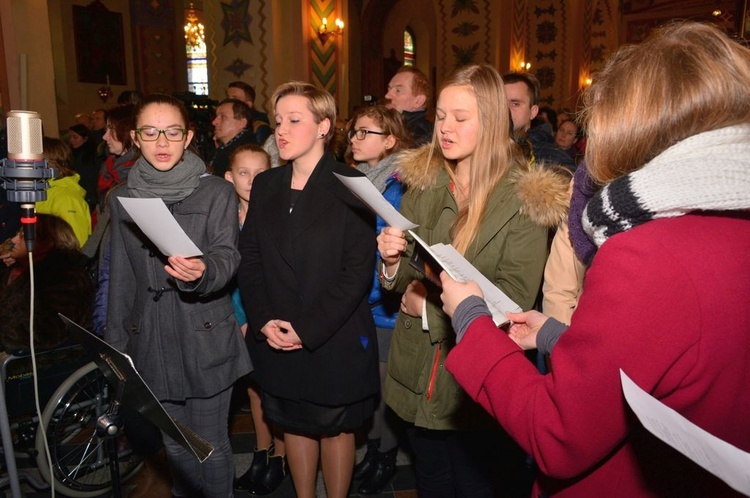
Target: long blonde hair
{"points": [[686, 78], [495, 151]]}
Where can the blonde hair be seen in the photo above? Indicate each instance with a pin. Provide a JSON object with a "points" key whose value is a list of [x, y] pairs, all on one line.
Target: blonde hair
{"points": [[495, 151], [686, 78], [321, 103]]}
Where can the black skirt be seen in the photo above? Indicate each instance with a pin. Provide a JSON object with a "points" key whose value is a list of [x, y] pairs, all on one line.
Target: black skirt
{"points": [[307, 418]]}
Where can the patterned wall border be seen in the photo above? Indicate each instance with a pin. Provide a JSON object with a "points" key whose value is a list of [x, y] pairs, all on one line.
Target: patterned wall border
{"points": [[488, 31], [322, 55], [263, 66], [444, 41], [212, 59], [584, 68], [518, 33], [603, 39], [467, 32], [548, 48]]}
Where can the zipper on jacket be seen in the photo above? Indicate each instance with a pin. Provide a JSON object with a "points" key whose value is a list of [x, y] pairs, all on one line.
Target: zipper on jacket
{"points": [[433, 373]]}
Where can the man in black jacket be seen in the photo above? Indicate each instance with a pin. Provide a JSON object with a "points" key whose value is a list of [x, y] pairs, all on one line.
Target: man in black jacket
{"points": [[410, 93], [232, 128]]}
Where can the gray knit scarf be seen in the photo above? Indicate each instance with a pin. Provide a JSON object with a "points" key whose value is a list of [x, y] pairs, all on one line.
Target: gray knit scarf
{"points": [[380, 173], [172, 186], [708, 171]]}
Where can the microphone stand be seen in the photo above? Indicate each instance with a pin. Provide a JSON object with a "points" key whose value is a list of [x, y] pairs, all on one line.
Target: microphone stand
{"points": [[109, 427]]}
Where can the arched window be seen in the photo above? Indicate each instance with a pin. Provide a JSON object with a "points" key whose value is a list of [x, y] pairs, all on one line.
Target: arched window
{"points": [[408, 47], [195, 48]]}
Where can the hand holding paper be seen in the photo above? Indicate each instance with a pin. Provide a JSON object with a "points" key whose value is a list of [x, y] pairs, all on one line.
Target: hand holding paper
{"points": [[445, 255], [391, 244], [459, 269], [455, 292], [186, 269]]}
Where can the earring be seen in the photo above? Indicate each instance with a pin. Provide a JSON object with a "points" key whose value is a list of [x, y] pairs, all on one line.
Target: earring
{"points": [[321, 135]]}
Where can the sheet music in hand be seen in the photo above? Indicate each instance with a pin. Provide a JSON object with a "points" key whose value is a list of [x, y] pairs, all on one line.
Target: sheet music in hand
{"points": [[444, 255], [458, 268]]}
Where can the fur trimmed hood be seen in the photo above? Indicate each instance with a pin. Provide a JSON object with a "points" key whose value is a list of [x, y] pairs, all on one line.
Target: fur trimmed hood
{"points": [[544, 192]]}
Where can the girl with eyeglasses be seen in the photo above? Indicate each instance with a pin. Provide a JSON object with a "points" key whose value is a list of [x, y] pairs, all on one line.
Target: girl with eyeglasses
{"points": [[376, 134], [172, 314]]}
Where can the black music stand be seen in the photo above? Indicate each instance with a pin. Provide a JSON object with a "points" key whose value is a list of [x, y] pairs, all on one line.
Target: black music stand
{"points": [[131, 391]]}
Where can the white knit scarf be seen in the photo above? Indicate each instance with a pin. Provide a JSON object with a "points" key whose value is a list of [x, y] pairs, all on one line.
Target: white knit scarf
{"points": [[708, 171]]}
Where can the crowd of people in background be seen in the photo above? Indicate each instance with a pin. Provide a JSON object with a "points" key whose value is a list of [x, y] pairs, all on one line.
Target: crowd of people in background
{"points": [[627, 227]]}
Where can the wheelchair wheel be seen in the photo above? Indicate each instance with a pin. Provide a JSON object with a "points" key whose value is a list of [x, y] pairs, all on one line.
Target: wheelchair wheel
{"points": [[80, 462]]}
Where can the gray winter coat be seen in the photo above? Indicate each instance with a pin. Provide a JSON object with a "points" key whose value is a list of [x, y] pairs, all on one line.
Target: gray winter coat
{"points": [[184, 339]]}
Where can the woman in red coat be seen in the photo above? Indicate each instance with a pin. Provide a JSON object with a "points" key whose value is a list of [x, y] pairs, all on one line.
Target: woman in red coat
{"points": [[665, 298]]}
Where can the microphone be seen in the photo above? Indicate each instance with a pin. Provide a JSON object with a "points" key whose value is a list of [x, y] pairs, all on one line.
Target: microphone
{"points": [[25, 172]]}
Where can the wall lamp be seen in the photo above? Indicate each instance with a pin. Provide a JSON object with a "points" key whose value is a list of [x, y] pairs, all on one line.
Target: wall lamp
{"points": [[324, 32]]}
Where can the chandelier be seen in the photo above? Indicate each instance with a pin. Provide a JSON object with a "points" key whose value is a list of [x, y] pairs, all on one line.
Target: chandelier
{"points": [[194, 34]]}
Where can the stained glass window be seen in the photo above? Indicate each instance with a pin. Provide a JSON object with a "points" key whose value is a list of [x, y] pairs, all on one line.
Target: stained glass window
{"points": [[195, 48], [408, 47]]}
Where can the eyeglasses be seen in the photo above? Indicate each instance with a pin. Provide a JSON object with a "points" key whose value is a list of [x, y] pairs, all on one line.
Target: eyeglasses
{"points": [[361, 134], [151, 134]]}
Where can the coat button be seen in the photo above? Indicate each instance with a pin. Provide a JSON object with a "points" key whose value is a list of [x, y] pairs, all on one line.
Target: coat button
{"points": [[133, 329], [208, 325], [407, 324]]}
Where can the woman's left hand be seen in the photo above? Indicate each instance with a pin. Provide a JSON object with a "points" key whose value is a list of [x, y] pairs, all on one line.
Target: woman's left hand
{"points": [[413, 299], [281, 335], [186, 269]]}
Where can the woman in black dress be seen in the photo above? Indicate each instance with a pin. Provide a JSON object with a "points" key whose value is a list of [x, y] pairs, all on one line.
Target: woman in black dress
{"points": [[307, 251]]}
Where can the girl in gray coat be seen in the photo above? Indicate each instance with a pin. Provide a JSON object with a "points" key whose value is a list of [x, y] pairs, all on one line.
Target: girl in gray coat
{"points": [[173, 315]]}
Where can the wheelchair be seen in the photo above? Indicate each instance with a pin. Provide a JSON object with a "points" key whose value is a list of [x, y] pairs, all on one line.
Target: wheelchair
{"points": [[74, 393]]}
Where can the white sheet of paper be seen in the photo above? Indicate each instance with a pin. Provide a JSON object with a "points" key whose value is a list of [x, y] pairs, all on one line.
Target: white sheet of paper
{"points": [[727, 462], [369, 194], [153, 217], [449, 258], [459, 268]]}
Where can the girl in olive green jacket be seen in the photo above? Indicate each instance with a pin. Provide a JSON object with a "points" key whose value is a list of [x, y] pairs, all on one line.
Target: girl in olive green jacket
{"points": [[472, 188]]}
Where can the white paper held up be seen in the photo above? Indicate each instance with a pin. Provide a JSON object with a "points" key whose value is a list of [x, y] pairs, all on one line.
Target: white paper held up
{"points": [[154, 219], [727, 462], [369, 194]]}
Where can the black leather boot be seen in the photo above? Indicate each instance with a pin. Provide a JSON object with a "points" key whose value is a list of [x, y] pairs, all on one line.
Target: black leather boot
{"points": [[381, 475], [363, 468], [256, 471], [274, 475]]}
